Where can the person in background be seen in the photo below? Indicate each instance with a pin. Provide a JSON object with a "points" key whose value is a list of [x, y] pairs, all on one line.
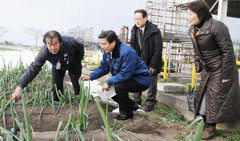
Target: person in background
{"points": [[146, 39], [64, 53], [215, 62], [129, 73]]}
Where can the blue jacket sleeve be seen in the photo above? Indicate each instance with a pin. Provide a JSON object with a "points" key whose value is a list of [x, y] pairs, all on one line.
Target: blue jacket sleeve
{"points": [[102, 70], [127, 68]]}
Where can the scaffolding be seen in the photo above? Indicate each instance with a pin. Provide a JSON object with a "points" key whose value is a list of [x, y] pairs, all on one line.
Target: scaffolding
{"points": [[171, 18], [169, 15], [85, 35]]}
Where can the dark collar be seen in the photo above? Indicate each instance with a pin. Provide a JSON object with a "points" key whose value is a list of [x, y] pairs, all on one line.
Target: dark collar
{"points": [[206, 24], [200, 24], [115, 53], [149, 28]]}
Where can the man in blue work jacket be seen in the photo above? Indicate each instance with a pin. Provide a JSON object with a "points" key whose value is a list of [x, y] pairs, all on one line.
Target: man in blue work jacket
{"points": [[129, 73], [64, 53]]}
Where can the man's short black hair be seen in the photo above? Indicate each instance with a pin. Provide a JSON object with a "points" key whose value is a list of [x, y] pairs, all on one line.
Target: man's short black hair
{"points": [[52, 34], [201, 8], [144, 13], [109, 35]]}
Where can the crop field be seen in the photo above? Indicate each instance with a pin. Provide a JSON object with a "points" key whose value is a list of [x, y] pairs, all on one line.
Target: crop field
{"points": [[36, 116]]}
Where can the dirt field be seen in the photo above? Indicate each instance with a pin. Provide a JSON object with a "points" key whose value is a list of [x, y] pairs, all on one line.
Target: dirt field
{"points": [[144, 125]]}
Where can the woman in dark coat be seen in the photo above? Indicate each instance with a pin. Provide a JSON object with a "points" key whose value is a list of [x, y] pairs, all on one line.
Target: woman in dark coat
{"points": [[214, 60]]}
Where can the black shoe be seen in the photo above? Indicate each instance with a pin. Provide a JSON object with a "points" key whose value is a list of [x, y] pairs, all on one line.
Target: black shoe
{"points": [[148, 108], [137, 101], [135, 107], [123, 116]]}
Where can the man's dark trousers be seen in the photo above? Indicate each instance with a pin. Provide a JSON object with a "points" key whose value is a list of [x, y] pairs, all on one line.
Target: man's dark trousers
{"points": [[122, 98], [152, 91], [58, 76]]}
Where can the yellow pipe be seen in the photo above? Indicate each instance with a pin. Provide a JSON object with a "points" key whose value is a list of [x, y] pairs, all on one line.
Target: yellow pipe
{"points": [[165, 68], [193, 75], [93, 53], [238, 63], [89, 57], [37, 49], [98, 57]]}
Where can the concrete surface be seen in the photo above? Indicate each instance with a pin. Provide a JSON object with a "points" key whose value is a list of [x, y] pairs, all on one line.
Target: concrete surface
{"points": [[177, 102], [172, 88]]}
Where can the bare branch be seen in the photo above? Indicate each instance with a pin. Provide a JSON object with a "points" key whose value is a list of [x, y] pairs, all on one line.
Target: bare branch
{"points": [[35, 33], [3, 30]]}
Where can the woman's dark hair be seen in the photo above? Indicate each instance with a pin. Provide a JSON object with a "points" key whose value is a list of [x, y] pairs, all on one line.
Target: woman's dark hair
{"points": [[52, 34], [201, 8], [144, 13], [109, 35]]}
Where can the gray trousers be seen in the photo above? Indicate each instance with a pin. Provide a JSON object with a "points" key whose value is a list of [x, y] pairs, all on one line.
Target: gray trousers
{"points": [[151, 96], [202, 109]]}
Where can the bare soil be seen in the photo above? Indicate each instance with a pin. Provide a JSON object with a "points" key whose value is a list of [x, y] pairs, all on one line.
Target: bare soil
{"points": [[141, 125], [144, 125]]}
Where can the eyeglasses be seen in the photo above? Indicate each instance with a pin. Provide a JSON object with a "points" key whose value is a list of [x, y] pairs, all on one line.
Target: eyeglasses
{"points": [[103, 44], [138, 19]]}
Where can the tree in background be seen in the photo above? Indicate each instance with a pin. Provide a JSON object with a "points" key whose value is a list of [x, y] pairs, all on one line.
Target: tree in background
{"points": [[35, 33], [3, 30]]}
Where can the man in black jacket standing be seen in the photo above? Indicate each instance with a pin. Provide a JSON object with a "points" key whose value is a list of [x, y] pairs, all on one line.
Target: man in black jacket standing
{"points": [[64, 53], [146, 39]]}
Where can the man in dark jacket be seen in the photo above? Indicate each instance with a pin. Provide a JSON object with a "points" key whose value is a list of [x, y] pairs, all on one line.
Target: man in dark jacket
{"points": [[129, 73], [64, 53], [146, 39]]}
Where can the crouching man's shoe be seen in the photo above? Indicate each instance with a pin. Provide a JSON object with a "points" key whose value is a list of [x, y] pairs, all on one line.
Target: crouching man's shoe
{"points": [[135, 107], [209, 131], [123, 116], [148, 108]]}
